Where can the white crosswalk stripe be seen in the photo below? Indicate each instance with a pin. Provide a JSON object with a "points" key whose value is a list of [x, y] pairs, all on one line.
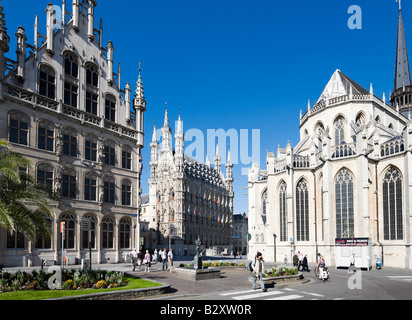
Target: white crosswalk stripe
{"points": [[259, 295], [289, 297], [402, 278]]}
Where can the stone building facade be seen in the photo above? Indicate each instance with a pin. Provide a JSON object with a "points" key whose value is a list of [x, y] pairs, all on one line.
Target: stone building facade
{"points": [[240, 233], [348, 177], [63, 106], [188, 200]]}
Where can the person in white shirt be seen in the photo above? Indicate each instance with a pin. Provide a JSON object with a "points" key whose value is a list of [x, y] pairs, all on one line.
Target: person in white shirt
{"points": [[163, 254], [133, 259]]}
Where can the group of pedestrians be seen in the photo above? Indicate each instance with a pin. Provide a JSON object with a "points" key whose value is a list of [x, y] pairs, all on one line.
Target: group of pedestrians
{"points": [[137, 259], [301, 261]]}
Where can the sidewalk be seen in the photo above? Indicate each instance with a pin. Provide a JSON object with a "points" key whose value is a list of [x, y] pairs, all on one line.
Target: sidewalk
{"points": [[230, 279]]}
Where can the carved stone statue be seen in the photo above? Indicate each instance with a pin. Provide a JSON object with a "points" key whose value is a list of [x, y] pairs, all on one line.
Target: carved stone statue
{"points": [[198, 258]]}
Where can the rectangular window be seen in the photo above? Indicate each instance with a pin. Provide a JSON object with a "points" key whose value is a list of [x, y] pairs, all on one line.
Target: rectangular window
{"points": [[18, 131], [86, 239], [90, 189], [91, 103], [47, 85], [70, 94], [92, 76], [69, 186], [46, 139], [109, 156], [109, 192], [45, 177], [108, 235], [69, 145], [90, 152], [110, 111], [126, 195], [126, 160], [41, 242], [15, 240]]}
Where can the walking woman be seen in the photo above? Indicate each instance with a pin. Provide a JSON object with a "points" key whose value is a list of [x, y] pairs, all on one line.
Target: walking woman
{"points": [[258, 268], [148, 261]]}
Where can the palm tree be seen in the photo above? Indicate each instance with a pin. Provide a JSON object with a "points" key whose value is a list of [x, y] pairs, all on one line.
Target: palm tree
{"points": [[24, 204]]}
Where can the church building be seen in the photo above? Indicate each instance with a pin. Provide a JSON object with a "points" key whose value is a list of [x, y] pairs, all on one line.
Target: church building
{"points": [[349, 177]]}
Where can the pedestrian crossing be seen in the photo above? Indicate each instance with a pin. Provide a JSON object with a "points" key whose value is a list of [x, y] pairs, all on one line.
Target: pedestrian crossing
{"points": [[271, 295], [400, 278]]}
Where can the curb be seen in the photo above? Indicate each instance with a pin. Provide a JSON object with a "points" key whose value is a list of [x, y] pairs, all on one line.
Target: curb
{"points": [[165, 288]]}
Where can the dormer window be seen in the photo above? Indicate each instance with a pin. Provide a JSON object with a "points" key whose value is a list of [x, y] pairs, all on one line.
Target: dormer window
{"points": [[47, 82], [92, 76], [71, 66]]}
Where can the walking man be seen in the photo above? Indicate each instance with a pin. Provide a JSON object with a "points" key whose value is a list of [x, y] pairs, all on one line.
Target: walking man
{"points": [[258, 268], [133, 259], [163, 254]]}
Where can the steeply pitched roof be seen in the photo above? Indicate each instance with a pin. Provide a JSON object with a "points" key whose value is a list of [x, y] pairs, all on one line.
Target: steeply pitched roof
{"points": [[340, 85]]}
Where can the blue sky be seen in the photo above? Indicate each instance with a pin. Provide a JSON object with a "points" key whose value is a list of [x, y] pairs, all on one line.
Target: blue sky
{"points": [[238, 64]]}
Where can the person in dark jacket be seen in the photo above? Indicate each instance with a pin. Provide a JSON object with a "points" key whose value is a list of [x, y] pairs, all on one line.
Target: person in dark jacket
{"points": [[305, 263], [295, 260]]}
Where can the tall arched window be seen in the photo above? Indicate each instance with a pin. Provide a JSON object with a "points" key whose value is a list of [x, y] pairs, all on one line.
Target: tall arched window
{"points": [[392, 205], [110, 108], [88, 224], [71, 65], [90, 187], [339, 127], [107, 232], [126, 193], [124, 234], [47, 82], [264, 205], [282, 212], [345, 227], [302, 211], [69, 230], [92, 75]]}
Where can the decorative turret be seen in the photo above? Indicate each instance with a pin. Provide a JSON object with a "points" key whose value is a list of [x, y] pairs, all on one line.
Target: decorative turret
{"points": [[154, 147], [50, 28], [76, 10], [179, 144], [21, 52], [229, 179], [229, 171], [166, 134], [128, 93], [4, 44], [139, 96], [110, 51], [139, 105], [217, 159], [90, 19]]}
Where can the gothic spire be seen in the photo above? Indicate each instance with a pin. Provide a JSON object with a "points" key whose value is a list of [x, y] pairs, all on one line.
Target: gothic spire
{"points": [[166, 133], [139, 85], [402, 71], [2, 19]]}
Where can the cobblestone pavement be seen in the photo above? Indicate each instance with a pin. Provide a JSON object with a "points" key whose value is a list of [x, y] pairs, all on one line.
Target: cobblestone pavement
{"points": [[238, 278]]}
